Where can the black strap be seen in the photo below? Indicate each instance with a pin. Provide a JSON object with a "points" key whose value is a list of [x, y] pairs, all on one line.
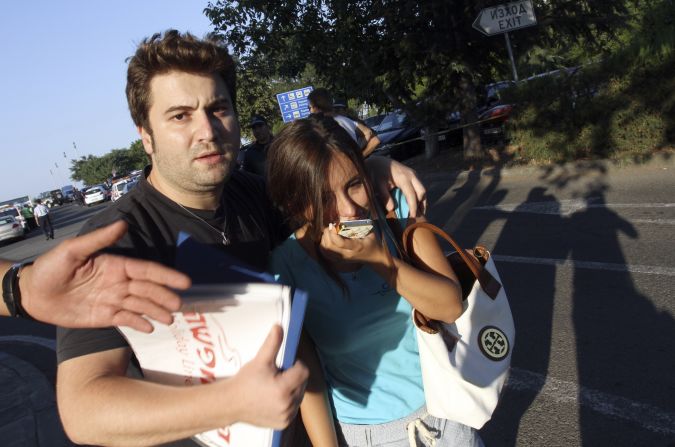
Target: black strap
{"points": [[11, 293]]}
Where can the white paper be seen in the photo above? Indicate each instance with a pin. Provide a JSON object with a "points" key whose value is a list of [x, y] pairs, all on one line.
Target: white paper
{"points": [[218, 329]]}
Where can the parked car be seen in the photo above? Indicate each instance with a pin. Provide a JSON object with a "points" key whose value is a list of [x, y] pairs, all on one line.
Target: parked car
{"points": [[401, 138], [493, 125], [57, 197], [68, 193], [15, 212], [10, 228], [374, 121], [96, 194], [128, 186], [116, 190], [493, 111]]}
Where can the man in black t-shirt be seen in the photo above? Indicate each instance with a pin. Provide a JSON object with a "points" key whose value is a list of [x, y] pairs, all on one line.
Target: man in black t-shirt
{"points": [[255, 154], [181, 94]]}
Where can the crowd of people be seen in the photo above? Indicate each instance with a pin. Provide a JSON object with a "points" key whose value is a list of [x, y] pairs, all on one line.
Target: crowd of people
{"points": [[357, 379]]}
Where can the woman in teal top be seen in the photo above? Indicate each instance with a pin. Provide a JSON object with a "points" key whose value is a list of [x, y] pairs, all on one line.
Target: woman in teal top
{"points": [[360, 296]]}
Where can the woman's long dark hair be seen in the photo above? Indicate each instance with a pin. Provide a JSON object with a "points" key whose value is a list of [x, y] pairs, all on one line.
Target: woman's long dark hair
{"points": [[298, 161]]}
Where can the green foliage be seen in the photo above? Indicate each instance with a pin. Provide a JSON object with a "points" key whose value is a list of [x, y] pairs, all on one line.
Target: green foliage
{"points": [[395, 53], [256, 94], [91, 169], [420, 56], [633, 112]]}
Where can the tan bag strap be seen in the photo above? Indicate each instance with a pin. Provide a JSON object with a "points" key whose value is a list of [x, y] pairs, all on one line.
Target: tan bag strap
{"points": [[487, 282]]}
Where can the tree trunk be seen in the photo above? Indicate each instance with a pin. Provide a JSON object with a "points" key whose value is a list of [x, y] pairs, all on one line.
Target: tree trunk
{"points": [[471, 139], [471, 134], [430, 142]]}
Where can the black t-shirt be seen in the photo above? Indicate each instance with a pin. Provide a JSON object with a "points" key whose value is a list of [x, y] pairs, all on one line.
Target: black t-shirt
{"points": [[246, 215]]}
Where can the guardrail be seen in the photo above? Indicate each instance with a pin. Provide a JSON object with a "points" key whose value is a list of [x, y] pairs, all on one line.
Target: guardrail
{"points": [[442, 132]]}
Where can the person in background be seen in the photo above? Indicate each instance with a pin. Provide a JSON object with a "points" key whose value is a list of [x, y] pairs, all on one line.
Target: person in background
{"points": [[340, 107], [28, 216], [320, 101], [73, 285], [43, 219], [79, 197], [255, 154]]}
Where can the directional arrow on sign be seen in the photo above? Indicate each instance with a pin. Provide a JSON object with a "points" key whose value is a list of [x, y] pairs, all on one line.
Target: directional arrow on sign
{"points": [[504, 18]]}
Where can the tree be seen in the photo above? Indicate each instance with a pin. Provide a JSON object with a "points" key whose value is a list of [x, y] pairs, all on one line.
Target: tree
{"points": [[420, 56], [92, 169]]}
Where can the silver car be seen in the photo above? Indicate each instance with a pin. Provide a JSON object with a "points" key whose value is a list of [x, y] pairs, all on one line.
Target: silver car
{"points": [[10, 228]]}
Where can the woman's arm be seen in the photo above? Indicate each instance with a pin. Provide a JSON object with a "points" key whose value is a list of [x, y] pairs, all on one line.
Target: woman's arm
{"points": [[315, 409], [372, 140]]}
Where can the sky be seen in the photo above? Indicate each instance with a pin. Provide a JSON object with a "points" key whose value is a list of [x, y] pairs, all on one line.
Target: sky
{"points": [[63, 73]]}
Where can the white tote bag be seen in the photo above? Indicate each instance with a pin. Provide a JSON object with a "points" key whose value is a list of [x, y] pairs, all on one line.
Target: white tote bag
{"points": [[465, 364]]}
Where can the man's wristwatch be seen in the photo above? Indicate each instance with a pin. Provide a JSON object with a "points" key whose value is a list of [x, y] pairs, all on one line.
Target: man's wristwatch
{"points": [[11, 293]]}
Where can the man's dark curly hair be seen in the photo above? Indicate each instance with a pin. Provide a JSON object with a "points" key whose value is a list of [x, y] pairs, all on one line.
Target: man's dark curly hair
{"points": [[173, 51]]}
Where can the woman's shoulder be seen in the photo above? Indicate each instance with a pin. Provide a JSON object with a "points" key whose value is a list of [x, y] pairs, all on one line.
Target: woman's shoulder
{"points": [[288, 252]]}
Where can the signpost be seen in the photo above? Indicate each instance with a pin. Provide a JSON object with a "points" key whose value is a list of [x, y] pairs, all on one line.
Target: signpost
{"points": [[504, 18], [294, 104]]}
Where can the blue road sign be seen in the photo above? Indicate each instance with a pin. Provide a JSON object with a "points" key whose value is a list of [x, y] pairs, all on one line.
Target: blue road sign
{"points": [[294, 104]]}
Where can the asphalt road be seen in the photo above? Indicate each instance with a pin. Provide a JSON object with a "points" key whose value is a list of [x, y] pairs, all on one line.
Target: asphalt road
{"points": [[586, 254], [28, 414]]}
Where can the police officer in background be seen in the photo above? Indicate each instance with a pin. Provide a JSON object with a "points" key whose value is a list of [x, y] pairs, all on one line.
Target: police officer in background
{"points": [[255, 154]]}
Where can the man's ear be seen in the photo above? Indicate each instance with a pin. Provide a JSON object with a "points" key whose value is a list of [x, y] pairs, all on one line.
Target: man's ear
{"points": [[146, 139]]}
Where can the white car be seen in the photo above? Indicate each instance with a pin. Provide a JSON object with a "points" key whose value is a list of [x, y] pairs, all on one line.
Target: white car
{"points": [[10, 228], [96, 194], [14, 212], [117, 189], [128, 186]]}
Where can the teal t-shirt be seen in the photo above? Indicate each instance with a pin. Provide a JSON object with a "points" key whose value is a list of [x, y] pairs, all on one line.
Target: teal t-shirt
{"points": [[365, 340]]}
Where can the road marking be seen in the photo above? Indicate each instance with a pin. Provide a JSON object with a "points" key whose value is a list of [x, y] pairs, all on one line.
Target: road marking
{"points": [[49, 343], [568, 207], [653, 221], [646, 269], [647, 416]]}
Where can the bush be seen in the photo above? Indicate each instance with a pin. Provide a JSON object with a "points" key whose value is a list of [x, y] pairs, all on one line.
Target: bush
{"points": [[622, 107]]}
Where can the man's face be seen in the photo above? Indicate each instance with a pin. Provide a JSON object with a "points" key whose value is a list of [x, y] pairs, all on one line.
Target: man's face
{"points": [[261, 133], [195, 132]]}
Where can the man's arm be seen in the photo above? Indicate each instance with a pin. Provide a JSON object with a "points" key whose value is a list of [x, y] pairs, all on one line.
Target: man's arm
{"points": [[372, 140], [73, 285], [388, 174], [100, 406]]}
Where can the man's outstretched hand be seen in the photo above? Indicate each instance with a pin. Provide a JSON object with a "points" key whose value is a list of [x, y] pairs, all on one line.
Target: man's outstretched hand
{"points": [[74, 286]]}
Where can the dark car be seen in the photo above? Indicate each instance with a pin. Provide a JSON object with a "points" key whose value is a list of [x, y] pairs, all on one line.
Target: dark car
{"points": [[374, 121], [494, 112], [493, 122], [57, 197], [401, 138]]}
